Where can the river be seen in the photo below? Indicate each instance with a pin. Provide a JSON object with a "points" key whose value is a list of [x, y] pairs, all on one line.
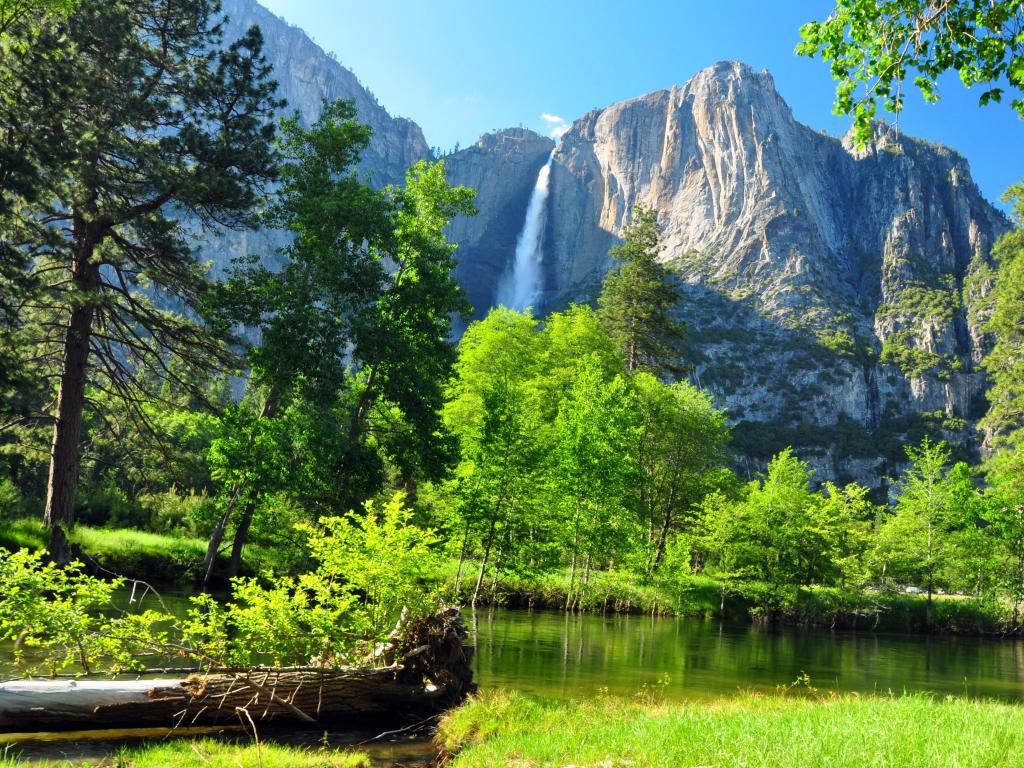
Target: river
{"points": [[578, 656]]}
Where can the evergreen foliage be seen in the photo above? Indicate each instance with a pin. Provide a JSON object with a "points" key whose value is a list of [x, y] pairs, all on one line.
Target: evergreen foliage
{"points": [[156, 120], [638, 298]]}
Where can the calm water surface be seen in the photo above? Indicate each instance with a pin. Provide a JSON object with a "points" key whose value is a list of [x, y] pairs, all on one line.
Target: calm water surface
{"points": [[551, 654]]}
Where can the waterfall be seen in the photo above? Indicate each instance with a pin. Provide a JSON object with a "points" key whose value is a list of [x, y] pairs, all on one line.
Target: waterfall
{"points": [[520, 285]]}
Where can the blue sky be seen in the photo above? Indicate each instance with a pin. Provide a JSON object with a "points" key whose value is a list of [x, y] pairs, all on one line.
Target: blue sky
{"points": [[462, 68]]}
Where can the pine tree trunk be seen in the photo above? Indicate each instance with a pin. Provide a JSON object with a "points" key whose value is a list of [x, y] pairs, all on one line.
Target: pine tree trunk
{"points": [[59, 513]]}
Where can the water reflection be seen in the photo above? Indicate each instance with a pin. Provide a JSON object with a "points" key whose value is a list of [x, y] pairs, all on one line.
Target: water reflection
{"points": [[566, 656]]}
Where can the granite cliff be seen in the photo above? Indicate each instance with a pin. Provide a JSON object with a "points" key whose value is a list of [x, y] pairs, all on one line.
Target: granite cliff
{"points": [[829, 290], [306, 76]]}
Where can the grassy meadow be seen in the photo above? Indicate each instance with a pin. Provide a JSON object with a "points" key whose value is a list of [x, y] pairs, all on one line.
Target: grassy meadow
{"points": [[785, 731]]}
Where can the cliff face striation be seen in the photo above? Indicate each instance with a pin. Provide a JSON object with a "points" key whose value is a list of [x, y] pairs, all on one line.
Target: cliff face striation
{"points": [[306, 76], [828, 289]]}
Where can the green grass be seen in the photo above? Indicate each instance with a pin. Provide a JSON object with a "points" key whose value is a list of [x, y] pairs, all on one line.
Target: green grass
{"points": [[155, 557], [124, 551], [774, 731], [218, 754], [22, 533]]}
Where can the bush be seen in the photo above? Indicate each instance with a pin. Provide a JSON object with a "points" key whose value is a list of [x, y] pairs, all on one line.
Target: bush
{"points": [[10, 499], [194, 514], [109, 505]]}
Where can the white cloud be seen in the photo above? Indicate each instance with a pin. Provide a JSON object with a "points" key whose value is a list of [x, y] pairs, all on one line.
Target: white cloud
{"points": [[559, 126]]}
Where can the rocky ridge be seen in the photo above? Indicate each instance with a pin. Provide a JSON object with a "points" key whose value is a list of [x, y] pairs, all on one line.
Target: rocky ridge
{"points": [[829, 289]]}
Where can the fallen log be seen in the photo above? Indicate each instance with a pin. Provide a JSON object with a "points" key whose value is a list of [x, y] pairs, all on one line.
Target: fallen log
{"points": [[427, 670]]}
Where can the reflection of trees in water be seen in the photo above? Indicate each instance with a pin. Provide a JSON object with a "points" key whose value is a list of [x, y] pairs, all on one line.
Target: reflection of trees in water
{"points": [[578, 655]]}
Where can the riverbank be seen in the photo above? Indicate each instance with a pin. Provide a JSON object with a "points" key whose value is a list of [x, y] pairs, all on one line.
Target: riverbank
{"points": [[158, 559], [506, 728], [705, 597], [167, 560]]}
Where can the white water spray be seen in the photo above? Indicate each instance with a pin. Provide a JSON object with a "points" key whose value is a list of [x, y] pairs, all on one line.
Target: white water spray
{"points": [[521, 284]]}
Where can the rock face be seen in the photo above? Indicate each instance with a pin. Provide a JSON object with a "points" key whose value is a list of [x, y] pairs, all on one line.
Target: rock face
{"points": [[828, 290], [831, 292], [502, 167], [306, 76]]}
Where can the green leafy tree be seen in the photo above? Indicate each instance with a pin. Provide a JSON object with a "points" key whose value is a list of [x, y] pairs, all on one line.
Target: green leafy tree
{"points": [[681, 452], [638, 298], [356, 325], [161, 121], [591, 471], [404, 345], [782, 532], [1004, 363], [877, 44], [305, 311], [844, 518], [491, 410], [1004, 421], [917, 542], [1005, 515], [565, 338]]}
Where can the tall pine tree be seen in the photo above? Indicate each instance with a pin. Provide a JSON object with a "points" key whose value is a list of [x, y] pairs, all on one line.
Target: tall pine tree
{"points": [[638, 298], [157, 120]]}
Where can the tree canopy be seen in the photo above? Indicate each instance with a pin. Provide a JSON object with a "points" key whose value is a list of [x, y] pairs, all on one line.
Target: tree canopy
{"points": [[878, 44]]}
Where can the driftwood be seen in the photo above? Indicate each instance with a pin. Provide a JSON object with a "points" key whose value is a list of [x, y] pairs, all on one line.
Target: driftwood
{"points": [[428, 670]]}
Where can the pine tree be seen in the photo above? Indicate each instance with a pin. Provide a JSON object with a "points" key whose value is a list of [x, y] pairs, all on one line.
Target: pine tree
{"points": [[156, 120], [638, 298]]}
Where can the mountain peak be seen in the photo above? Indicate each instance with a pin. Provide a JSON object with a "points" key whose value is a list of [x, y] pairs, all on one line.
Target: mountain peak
{"points": [[506, 135], [738, 72], [737, 86]]}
